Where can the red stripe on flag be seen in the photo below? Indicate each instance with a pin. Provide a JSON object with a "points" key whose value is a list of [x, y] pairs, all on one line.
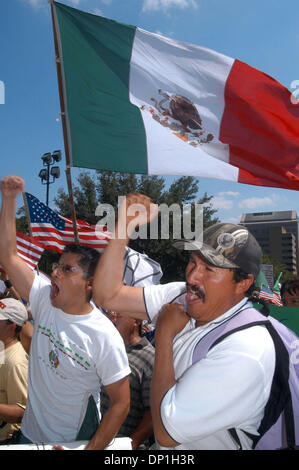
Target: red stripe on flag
{"points": [[260, 123], [29, 249], [37, 251], [56, 240]]}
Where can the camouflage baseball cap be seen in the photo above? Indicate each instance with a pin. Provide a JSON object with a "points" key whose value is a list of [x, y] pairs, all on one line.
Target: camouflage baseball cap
{"points": [[227, 246]]}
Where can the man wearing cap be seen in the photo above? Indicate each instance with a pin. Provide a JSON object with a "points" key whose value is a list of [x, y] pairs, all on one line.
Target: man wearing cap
{"points": [[13, 368], [197, 405]]}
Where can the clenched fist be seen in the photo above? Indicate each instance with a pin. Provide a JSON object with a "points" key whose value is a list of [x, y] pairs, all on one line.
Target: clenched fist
{"points": [[11, 186], [136, 210]]}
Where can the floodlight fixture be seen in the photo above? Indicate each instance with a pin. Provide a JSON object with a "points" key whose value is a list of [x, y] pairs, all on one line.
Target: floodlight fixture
{"points": [[43, 174], [57, 155], [47, 158], [55, 171]]}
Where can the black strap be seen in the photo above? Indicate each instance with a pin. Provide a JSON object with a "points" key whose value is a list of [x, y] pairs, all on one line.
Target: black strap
{"points": [[235, 437], [280, 399]]}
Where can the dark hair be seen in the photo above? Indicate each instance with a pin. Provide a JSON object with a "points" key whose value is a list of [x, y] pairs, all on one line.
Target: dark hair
{"points": [[89, 257], [239, 275], [291, 286], [17, 330]]}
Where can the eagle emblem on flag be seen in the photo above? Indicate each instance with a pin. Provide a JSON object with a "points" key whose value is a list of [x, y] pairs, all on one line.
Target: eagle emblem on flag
{"points": [[180, 115]]}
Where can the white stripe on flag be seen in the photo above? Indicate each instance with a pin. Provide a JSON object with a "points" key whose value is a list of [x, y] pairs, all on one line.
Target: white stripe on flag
{"points": [[161, 67]]}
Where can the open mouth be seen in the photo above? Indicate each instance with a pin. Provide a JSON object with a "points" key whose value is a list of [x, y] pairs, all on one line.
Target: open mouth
{"points": [[194, 293], [54, 290]]}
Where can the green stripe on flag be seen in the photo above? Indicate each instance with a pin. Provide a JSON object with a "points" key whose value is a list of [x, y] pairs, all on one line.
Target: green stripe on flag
{"points": [[106, 130]]}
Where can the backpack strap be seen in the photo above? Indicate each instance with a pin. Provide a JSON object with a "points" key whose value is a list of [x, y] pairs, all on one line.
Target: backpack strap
{"points": [[242, 319], [280, 398]]}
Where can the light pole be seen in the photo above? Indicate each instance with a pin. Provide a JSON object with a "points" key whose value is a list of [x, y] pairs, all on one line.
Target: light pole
{"points": [[49, 160]]}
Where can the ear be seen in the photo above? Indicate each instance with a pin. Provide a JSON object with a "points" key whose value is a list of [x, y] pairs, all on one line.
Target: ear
{"points": [[12, 328], [89, 284], [244, 284]]}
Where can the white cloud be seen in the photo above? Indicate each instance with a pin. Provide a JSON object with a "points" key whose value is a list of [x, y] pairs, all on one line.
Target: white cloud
{"points": [[256, 203], [98, 11], [233, 220], [220, 202], [154, 5], [75, 2], [229, 193]]}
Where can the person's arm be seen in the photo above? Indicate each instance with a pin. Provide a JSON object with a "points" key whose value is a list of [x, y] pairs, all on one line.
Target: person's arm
{"points": [[143, 431], [119, 394], [171, 321], [18, 272], [26, 336], [11, 413], [108, 289]]}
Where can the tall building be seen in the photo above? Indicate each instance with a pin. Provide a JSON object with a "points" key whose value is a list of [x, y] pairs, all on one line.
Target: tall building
{"points": [[277, 234]]}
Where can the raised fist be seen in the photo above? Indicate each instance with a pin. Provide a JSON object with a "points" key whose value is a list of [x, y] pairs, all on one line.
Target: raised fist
{"points": [[136, 210], [11, 186]]}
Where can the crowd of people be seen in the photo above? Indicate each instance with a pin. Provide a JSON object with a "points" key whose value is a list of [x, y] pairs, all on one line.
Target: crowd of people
{"points": [[94, 375]]}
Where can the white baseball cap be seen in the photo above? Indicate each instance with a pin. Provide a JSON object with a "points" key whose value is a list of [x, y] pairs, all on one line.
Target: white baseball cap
{"points": [[13, 310]]}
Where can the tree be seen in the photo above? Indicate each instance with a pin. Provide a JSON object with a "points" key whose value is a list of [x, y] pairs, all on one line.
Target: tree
{"points": [[278, 268], [108, 186]]}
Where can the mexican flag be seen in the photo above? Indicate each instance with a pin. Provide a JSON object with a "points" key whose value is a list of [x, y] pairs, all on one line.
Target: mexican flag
{"points": [[140, 102]]}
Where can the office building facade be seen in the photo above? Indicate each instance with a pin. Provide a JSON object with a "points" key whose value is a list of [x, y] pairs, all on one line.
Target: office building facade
{"points": [[277, 234]]}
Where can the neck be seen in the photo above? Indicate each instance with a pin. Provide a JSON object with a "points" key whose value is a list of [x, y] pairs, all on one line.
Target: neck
{"points": [[85, 310], [134, 339], [9, 342], [202, 322]]}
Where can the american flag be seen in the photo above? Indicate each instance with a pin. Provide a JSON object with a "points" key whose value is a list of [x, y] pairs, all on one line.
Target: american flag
{"points": [[55, 231], [270, 296], [29, 249]]}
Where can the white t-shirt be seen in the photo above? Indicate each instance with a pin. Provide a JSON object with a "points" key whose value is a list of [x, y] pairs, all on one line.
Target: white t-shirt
{"points": [[71, 357], [227, 389]]}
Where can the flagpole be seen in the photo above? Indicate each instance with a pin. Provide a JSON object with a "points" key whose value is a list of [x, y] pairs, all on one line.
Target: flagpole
{"points": [[27, 214], [66, 137]]}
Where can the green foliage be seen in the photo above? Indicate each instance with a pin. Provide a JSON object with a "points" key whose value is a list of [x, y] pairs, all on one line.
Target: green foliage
{"points": [[278, 267]]}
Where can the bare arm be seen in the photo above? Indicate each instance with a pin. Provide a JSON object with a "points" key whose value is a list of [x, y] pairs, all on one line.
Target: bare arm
{"points": [[26, 336], [11, 413], [143, 430], [109, 291], [119, 394], [171, 321], [18, 272]]}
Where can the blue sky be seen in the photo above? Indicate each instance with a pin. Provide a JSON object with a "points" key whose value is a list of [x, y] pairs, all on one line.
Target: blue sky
{"points": [[261, 33]]}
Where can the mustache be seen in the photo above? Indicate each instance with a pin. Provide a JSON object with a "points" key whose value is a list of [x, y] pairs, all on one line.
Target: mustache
{"points": [[197, 291]]}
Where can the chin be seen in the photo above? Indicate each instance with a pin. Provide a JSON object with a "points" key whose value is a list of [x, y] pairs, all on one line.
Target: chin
{"points": [[55, 302]]}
